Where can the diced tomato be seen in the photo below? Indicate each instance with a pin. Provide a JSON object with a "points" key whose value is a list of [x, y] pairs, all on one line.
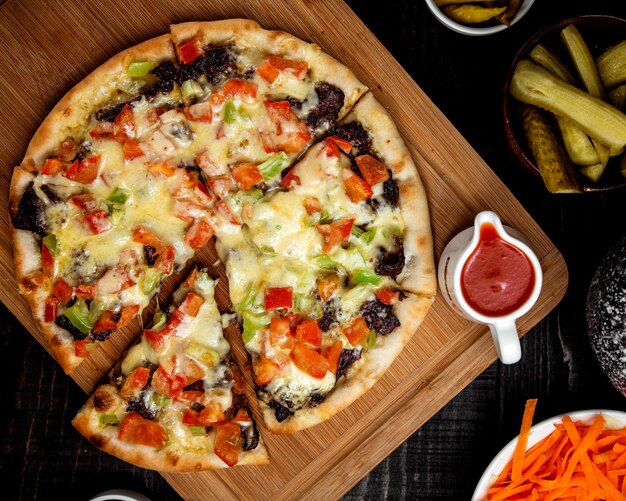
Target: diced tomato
{"points": [[141, 431], [51, 308], [190, 369], [278, 297], [199, 112], [224, 211], [114, 280], [293, 142], [134, 382], [290, 179], [387, 296], [143, 235], [63, 291], [68, 150], [208, 166], [98, 222], [247, 175], [265, 370], [372, 170], [234, 88], [209, 416], [159, 340], [191, 396], [356, 189], [189, 51], [310, 332], [332, 354], [335, 233], [312, 205], [132, 149], [331, 150], [107, 321], [84, 172], [327, 285], [127, 314], [47, 261], [190, 281], [85, 202], [357, 331], [166, 384], [345, 146], [280, 111], [124, 125], [222, 186], [242, 415], [86, 291], [280, 333], [102, 130], [82, 347], [52, 167], [192, 304], [165, 262], [272, 66], [294, 320], [199, 234], [268, 146], [309, 361], [162, 169], [228, 442], [166, 254]]}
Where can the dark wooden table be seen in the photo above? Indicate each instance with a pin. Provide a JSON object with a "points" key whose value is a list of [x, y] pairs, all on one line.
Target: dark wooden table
{"points": [[43, 457]]}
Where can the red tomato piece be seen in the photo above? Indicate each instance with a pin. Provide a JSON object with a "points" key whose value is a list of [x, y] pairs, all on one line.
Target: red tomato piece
{"points": [[189, 51], [335, 233], [242, 415], [387, 296], [280, 111], [143, 235], [356, 189], [372, 170], [278, 297], [199, 112], [47, 262], [312, 205], [309, 361], [247, 175], [222, 186], [331, 150], [102, 130], [268, 146], [327, 285], [107, 321], [53, 167], [345, 146], [132, 149], [166, 384], [332, 354], [162, 169], [165, 262], [290, 179], [86, 291], [68, 150], [141, 431], [234, 88], [228, 442], [293, 142], [309, 331], [159, 340], [357, 331], [224, 211], [84, 202], [124, 125], [272, 66], [280, 333], [51, 308], [127, 314], [190, 281], [82, 347], [63, 291], [265, 370], [209, 416], [134, 382], [192, 304], [98, 222], [191, 396], [84, 172], [199, 234]]}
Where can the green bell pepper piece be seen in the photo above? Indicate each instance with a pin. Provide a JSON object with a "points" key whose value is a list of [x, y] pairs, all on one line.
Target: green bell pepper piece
{"points": [[325, 217], [119, 196], [324, 262], [361, 276], [160, 400], [78, 314], [116, 213], [274, 165], [370, 341], [150, 280], [191, 88], [51, 242], [356, 231], [139, 69], [197, 431], [252, 324], [159, 319], [230, 112], [368, 236], [96, 307], [247, 300], [108, 419]]}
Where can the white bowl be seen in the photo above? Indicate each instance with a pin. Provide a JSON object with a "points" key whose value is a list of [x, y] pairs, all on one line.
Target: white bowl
{"points": [[473, 31], [614, 419]]}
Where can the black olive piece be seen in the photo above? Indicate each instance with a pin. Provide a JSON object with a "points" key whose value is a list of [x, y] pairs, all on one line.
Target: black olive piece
{"points": [[315, 399], [379, 317], [150, 254], [281, 412], [30, 213], [329, 317], [391, 263], [65, 323], [215, 63], [101, 336], [195, 386], [138, 405], [391, 192], [346, 359]]}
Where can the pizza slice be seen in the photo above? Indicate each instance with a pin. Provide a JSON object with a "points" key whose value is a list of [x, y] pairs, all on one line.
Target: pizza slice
{"points": [[176, 401], [329, 278]]}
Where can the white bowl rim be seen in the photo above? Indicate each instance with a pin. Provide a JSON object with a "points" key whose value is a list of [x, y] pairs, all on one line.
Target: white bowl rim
{"points": [[468, 30], [537, 433]]}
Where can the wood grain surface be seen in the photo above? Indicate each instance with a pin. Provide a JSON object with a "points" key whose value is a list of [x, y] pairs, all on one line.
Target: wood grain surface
{"points": [[446, 353]]}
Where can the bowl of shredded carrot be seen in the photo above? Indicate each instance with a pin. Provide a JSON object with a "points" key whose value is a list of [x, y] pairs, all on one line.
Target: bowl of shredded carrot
{"points": [[580, 455]]}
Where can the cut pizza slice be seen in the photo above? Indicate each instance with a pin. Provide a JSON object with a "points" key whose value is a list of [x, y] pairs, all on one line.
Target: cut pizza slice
{"points": [[333, 274], [176, 401]]}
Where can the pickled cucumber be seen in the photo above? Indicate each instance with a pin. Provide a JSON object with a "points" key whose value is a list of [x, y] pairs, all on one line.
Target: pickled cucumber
{"points": [[578, 146], [511, 9], [618, 97], [612, 65], [471, 14], [554, 165], [542, 56], [583, 60]]}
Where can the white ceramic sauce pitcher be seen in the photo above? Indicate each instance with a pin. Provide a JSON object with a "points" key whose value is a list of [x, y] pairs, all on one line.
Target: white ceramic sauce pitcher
{"points": [[453, 259]]}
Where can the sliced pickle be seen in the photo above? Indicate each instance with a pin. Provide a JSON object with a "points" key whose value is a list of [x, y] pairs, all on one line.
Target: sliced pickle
{"points": [[543, 57], [593, 172], [612, 65], [618, 97], [511, 9], [471, 14], [583, 60], [577, 144]]}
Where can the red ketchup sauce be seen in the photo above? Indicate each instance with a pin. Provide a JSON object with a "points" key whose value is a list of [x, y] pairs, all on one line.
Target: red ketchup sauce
{"points": [[497, 278]]}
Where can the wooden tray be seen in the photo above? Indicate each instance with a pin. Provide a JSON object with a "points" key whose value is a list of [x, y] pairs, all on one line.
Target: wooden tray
{"points": [[47, 47]]}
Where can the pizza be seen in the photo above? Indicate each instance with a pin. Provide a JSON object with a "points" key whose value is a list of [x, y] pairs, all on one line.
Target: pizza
{"points": [[176, 401], [263, 144]]}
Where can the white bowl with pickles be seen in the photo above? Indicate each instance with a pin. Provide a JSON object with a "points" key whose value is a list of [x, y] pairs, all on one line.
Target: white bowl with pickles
{"points": [[479, 17], [564, 105]]}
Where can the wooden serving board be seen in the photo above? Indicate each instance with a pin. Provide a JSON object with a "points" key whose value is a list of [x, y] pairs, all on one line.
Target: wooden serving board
{"points": [[49, 46]]}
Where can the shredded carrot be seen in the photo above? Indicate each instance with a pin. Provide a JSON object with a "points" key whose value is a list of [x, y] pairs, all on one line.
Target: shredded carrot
{"points": [[576, 461]]}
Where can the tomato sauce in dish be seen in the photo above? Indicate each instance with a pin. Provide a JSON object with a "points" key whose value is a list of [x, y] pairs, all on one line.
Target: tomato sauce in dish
{"points": [[497, 278]]}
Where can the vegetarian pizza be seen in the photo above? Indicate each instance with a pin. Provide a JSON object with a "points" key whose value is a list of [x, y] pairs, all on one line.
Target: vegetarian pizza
{"points": [[265, 142]]}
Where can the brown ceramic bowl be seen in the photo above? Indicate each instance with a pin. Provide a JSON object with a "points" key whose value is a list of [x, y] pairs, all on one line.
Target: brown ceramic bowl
{"points": [[600, 32]]}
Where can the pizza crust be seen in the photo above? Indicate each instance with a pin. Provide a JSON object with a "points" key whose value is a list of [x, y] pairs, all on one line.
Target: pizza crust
{"points": [[149, 458], [245, 33]]}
